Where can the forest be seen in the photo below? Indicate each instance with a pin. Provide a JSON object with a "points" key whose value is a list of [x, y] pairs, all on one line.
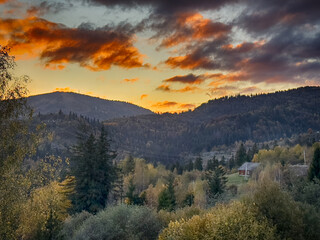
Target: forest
{"points": [[90, 193]]}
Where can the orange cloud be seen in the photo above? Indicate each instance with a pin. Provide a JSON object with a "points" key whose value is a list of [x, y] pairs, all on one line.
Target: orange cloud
{"points": [[66, 89], [193, 26], [58, 45], [143, 96], [187, 106], [220, 79], [188, 62], [165, 104], [3, 1], [130, 80], [164, 87]]}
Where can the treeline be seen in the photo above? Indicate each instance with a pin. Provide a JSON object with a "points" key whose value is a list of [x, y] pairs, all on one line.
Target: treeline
{"points": [[224, 121]]}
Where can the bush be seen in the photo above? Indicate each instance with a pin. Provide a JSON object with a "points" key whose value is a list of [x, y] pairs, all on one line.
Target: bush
{"points": [[233, 221], [120, 222], [72, 224]]}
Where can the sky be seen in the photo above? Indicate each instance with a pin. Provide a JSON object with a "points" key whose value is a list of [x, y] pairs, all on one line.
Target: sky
{"points": [[163, 55]]}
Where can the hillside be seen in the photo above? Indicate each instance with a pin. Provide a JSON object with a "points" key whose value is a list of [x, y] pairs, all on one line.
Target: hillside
{"points": [[168, 137], [84, 105]]}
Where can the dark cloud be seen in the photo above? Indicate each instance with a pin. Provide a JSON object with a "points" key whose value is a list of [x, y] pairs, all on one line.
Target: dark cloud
{"points": [[96, 49], [262, 15], [189, 79], [167, 6], [49, 7]]}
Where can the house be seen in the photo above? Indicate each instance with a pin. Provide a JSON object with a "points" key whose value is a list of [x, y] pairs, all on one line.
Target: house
{"points": [[247, 168]]}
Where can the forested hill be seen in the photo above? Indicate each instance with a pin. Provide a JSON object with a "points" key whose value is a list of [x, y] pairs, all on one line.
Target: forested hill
{"points": [[265, 117], [84, 105]]}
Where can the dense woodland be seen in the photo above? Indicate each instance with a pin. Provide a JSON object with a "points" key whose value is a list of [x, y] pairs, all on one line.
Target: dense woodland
{"points": [[219, 122], [88, 193]]}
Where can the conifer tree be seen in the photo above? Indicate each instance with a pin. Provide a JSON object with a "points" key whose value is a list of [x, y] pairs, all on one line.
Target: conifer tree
{"points": [[167, 199], [216, 181], [241, 155], [189, 166], [94, 173], [314, 170], [198, 164]]}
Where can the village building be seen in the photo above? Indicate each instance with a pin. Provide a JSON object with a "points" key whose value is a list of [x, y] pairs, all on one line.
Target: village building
{"points": [[247, 168]]}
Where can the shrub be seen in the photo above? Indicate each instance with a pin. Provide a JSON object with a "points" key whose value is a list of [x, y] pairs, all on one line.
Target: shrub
{"points": [[120, 222]]}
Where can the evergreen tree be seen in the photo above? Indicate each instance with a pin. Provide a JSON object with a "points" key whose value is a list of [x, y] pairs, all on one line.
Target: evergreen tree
{"points": [[198, 164], [91, 164], [167, 199], [231, 163], [189, 166], [241, 155], [216, 181], [252, 152], [133, 198], [212, 164], [314, 170], [223, 161], [128, 165]]}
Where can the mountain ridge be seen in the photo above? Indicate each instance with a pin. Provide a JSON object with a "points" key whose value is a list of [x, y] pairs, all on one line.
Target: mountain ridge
{"points": [[88, 106]]}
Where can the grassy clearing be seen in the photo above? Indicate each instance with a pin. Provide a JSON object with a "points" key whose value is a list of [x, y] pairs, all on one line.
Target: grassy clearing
{"points": [[235, 179]]}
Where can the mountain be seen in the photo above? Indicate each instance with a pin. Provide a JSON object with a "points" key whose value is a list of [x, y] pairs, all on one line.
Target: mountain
{"points": [[84, 105], [223, 121]]}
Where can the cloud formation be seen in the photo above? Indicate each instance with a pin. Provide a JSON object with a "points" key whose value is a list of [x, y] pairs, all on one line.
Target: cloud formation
{"points": [[48, 7], [167, 6], [131, 80], [56, 45]]}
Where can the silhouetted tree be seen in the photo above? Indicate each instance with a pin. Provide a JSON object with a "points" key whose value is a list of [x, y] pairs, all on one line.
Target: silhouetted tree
{"points": [[198, 164], [314, 170]]}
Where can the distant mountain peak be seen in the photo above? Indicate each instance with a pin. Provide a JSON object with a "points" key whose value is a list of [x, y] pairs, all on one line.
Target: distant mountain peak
{"points": [[92, 107]]}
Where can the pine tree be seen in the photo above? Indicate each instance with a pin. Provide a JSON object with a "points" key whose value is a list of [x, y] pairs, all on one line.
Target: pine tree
{"points": [[212, 164], [167, 199], [241, 155], [314, 170], [216, 181], [198, 164], [189, 166], [128, 165], [92, 167]]}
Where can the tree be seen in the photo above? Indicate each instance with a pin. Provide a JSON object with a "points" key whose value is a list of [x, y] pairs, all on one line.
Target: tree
{"points": [[92, 166], [198, 164], [314, 170], [216, 181], [189, 166], [167, 199], [233, 221], [128, 165], [241, 155], [212, 164], [16, 143], [133, 198]]}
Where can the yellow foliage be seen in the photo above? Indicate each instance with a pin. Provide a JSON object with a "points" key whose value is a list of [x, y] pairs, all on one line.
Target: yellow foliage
{"points": [[37, 209], [233, 221]]}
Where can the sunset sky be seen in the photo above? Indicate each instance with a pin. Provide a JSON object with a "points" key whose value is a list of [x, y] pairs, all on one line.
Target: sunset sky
{"points": [[163, 55]]}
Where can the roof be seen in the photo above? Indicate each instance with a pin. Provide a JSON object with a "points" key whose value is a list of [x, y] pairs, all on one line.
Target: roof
{"points": [[250, 166]]}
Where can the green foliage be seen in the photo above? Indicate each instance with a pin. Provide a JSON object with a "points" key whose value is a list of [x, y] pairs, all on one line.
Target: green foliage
{"points": [[133, 198], [128, 165], [198, 164], [216, 182], [281, 155], [120, 222], [241, 155], [233, 221], [189, 166], [212, 164], [314, 170], [72, 225], [92, 166], [279, 208], [167, 199]]}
